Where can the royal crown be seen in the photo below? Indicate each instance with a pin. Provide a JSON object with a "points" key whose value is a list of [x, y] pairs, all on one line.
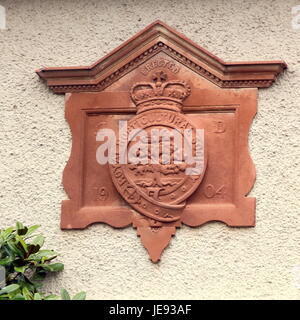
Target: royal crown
{"points": [[160, 93]]}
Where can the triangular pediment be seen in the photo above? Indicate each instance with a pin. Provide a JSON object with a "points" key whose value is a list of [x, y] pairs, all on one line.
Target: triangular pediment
{"points": [[157, 38]]}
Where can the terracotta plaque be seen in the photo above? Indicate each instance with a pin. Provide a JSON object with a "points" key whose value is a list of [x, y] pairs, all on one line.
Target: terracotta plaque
{"points": [[160, 137]]}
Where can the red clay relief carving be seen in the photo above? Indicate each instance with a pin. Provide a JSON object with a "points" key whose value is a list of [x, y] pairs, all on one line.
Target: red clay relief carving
{"points": [[160, 137]]}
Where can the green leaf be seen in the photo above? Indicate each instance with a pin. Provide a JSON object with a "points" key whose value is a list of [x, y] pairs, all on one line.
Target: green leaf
{"points": [[37, 296], [51, 297], [37, 284], [46, 253], [5, 261], [43, 255], [14, 249], [21, 240], [38, 240], [7, 232], [54, 267], [27, 294], [64, 294], [31, 230], [18, 296], [10, 288], [7, 250], [39, 275], [80, 296], [20, 269], [19, 225], [25, 282]]}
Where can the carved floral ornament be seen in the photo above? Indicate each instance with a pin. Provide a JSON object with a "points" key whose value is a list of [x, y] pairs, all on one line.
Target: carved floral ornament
{"points": [[174, 122]]}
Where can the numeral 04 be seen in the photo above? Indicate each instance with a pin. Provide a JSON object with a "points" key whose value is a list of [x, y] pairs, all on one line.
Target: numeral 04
{"points": [[211, 191]]}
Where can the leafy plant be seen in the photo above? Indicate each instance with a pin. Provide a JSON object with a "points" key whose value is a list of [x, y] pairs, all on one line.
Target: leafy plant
{"points": [[26, 265]]}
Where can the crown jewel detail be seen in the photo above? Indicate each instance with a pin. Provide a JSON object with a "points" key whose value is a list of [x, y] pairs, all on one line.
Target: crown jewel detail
{"points": [[160, 93]]}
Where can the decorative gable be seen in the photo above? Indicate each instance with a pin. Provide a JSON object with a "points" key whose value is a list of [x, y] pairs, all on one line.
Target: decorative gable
{"points": [[156, 38]]}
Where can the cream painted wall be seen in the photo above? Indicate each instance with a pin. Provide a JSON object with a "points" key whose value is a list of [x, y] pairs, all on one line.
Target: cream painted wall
{"points": [[212, 261]]}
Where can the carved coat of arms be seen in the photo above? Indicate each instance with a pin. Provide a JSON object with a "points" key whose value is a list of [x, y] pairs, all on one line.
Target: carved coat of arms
{"points": [[160, 137], [159, 179]]}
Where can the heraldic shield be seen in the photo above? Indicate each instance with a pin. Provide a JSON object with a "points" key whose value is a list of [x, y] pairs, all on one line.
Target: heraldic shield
{"points": [[179, 119], [159, 182]]}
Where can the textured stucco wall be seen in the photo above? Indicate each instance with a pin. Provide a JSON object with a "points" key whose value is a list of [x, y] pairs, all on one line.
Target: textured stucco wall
{"points": [[212, 261]]}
